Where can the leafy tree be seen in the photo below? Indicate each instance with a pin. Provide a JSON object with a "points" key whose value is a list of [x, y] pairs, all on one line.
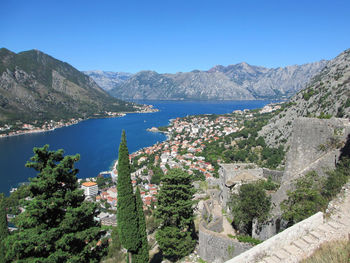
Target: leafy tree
{"points": [[305, 200], [175, 213], [142, 254], [126, 216], [3, 228], [250, 203], [57, 225]]}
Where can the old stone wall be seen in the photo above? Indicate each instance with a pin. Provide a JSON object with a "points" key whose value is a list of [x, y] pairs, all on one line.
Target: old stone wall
{"points": [[280, 240], [216, 247], [315, 145], [229, 172], [274, 174], [212, 220], [311, 140]]}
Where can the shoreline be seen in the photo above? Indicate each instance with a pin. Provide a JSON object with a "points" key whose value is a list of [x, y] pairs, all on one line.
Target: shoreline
{"points": [[72, 122]]}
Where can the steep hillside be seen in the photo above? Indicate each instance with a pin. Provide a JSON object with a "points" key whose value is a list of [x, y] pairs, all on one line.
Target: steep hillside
{"points": [[241, 82], [326, 95], [107, 79], [36, 87]]}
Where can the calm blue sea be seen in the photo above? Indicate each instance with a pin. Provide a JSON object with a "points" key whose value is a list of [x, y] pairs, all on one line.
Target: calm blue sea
{"points": [[97, 140]]}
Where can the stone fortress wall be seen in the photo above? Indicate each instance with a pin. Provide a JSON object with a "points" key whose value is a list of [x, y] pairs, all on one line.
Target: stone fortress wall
{"points": [[311, 149], [214, 243]]}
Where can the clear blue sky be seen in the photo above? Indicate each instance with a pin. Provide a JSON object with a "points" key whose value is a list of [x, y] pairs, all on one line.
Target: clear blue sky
{"points": [[176, 35]]}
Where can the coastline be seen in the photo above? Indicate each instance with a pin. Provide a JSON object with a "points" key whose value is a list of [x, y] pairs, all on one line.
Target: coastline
{"points": [[60, 124]]}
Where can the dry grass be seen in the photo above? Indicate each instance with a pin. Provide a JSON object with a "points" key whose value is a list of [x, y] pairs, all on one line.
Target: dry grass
{"points": [[331, 252]]}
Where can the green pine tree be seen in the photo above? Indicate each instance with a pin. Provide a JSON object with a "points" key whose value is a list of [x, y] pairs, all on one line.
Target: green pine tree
{"points": [[175, 213], [126, 206], [57, 224], [142, 255], [3, 228]]}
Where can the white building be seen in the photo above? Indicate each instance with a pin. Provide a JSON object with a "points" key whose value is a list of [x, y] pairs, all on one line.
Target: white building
{"points": [[90, 188]]}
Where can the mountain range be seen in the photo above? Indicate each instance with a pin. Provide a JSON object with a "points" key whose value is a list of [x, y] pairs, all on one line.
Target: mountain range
{"points": [[37, 87], [234, 82]]}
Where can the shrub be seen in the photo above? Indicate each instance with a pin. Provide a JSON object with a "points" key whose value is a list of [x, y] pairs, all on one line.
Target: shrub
{"points": [[248, 239]]}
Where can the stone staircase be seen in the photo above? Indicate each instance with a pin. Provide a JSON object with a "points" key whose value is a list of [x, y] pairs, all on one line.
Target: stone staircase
{"points": [[335, 227]]}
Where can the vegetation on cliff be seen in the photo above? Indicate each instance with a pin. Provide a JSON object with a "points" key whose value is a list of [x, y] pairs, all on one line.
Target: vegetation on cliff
{"points": [[313, 193], [3, 228]]}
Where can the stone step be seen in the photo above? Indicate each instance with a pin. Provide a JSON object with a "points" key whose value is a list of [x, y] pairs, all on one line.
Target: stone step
{"points": [[292, 249], [338, 221], [334, 225], [325, 228], [310, 239], [281, 254], [317, 234], [272, 259], [342, 220], [301, 244]]}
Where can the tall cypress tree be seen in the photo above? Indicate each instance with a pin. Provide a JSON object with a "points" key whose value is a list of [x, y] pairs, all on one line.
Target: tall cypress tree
{"points": [[176, 237], [142, 255], [57, 225], [3, 228], [126, 207]]}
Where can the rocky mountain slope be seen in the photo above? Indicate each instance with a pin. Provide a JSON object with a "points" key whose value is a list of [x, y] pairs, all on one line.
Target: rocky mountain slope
{"points": [[108, 79], [326, 95], [234, 82], [36, 86]]}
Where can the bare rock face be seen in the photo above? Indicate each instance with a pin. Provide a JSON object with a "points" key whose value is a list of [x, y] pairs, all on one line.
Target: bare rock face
{"points": [[108, 79], [234, 82]]}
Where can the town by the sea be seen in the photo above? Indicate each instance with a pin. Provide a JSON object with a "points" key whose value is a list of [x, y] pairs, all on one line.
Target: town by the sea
{"points": [[97, 140]]}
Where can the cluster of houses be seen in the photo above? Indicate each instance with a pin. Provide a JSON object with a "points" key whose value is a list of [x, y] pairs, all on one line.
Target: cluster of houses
{"points": [[270, 108], [186, 141], [109, 195], [30, 128], [187, 138]]}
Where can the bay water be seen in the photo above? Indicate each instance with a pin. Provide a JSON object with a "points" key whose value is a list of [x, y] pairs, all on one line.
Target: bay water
{"points": [[97, 140]]}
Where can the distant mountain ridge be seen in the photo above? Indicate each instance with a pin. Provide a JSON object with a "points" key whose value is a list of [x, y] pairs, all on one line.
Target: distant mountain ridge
{"points": [[108, 79], [234, 82], [37, 87]]}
